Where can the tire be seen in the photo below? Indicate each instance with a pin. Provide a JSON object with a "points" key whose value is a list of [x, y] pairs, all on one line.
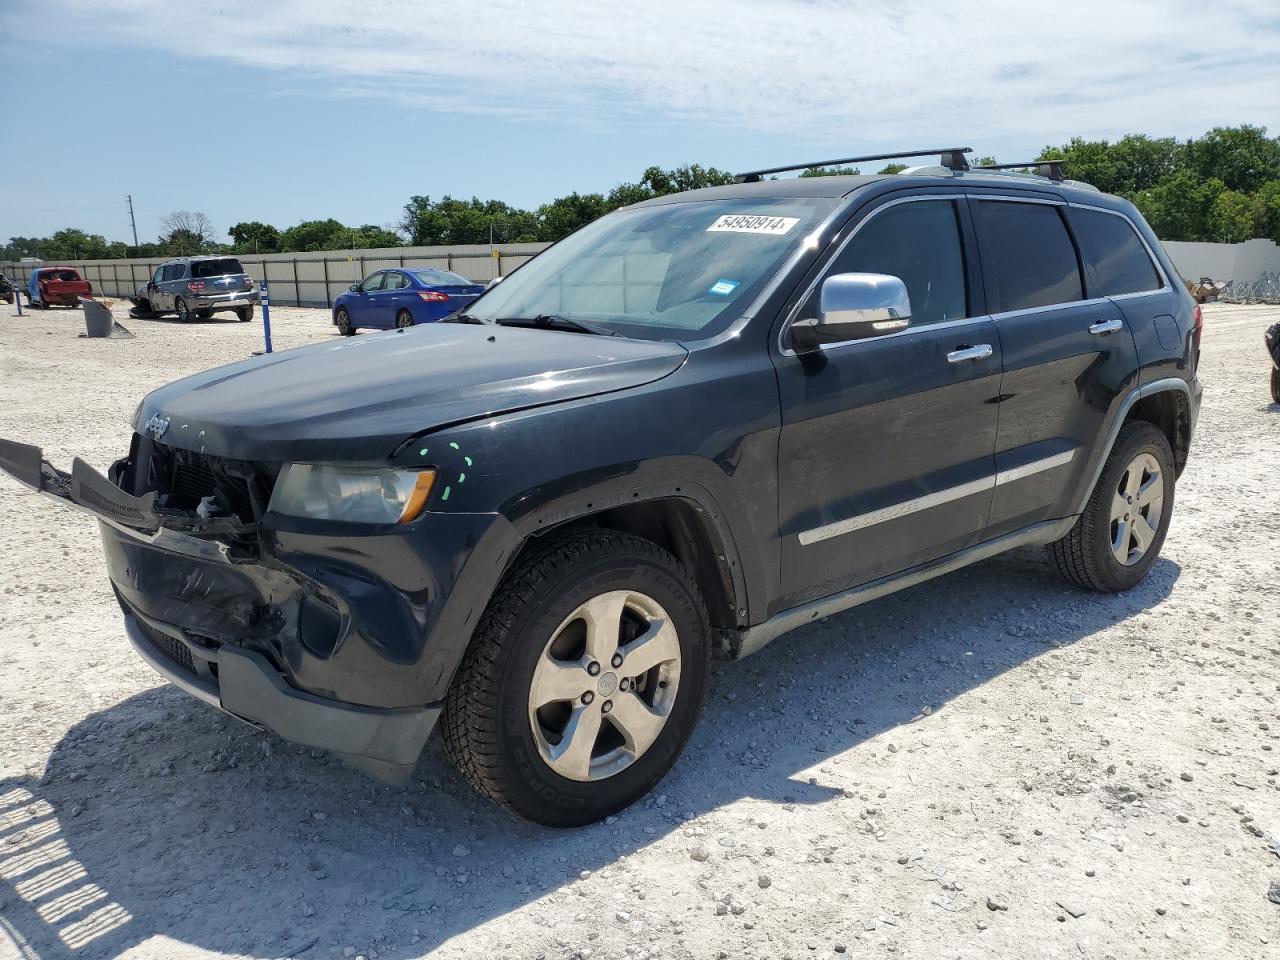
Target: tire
{"points": [[203, 314], [1275, 384], [244, 314], [495, 733], [183, 311], [1089, 556], [404, 320], [343, 321]]}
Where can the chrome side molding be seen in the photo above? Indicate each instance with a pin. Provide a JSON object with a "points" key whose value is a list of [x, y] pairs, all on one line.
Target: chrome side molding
{"points": [[905, 508]]}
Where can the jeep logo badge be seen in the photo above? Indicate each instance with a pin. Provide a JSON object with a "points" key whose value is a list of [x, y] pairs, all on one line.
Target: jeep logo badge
{"points": [[156, 426]]}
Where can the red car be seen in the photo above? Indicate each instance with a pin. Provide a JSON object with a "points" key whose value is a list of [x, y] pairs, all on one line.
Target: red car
{"points": [[57, 286]]}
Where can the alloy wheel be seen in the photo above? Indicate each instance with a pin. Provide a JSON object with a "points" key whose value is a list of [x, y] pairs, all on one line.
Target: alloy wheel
{"points": [[604, 685], [1136, 509]]}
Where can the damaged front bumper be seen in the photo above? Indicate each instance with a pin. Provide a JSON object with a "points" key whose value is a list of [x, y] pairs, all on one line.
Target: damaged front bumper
{"points": [[325, 638]]}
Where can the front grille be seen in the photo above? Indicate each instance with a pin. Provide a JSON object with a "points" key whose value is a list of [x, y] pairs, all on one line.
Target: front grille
{"points": [[183, 478], [193, 481], [173, 649]]}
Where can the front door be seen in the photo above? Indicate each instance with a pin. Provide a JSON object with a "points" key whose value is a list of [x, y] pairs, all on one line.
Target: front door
{"points": [[1069, 356], [885, 457], [362, 304]]}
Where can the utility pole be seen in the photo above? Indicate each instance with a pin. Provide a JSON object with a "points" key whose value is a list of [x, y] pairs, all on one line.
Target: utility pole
{"points": [[133, 223]]}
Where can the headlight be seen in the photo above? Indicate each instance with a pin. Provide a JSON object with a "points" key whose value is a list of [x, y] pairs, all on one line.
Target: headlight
{"points": [[356, 495]]}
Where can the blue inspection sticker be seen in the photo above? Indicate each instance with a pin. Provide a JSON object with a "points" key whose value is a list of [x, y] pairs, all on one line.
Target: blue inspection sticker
{"points": [[722, 288]]}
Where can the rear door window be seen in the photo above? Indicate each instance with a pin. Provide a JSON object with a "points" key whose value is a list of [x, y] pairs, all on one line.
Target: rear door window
{"points": [[1031, 254], [395, 281], [1114, 253]]}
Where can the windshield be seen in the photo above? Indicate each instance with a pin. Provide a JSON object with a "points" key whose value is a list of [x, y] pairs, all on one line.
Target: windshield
{"points": [[675, 271], [215, 268], [441, 278]]}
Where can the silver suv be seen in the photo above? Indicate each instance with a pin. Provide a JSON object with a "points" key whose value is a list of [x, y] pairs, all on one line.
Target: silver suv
{"points": [[199, 287]]}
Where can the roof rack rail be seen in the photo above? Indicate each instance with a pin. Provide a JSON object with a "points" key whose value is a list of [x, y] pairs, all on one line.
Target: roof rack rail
{"points": [[953, 158], [1049, 169]]}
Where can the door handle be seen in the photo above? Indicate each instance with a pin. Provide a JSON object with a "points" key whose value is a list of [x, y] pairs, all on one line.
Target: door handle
{"points": [[979, 352], [1103, 327]]}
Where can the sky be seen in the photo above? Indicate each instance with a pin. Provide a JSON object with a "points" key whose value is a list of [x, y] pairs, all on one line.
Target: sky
{"points": [[286, 110]]}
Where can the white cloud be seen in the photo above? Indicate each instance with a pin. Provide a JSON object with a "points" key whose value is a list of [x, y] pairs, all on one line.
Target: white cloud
{"points": [[860, 71]]}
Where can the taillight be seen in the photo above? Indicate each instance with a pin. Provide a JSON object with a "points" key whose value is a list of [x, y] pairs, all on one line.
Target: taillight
{"points": [[433, 296], [1199, 317], [195, 285], [248, 283]]}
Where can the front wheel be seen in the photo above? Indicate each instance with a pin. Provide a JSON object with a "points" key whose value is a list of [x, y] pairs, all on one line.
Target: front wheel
{"points": [[183, 311], [583, 681], [1275, 384], [1118, 537]]}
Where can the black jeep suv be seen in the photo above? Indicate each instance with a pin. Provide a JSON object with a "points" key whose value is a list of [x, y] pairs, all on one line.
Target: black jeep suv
{"points": [[689, 427]]}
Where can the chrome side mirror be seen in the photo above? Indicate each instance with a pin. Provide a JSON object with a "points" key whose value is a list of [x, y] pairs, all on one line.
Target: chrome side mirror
{"points": [[854, 306]]}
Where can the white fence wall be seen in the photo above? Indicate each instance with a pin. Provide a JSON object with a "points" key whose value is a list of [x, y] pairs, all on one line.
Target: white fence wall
{"points": [[1243, 262], [310, 279]]}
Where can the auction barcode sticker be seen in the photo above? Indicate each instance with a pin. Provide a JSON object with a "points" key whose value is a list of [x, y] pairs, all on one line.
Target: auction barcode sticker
{"points": [[752, 223]]}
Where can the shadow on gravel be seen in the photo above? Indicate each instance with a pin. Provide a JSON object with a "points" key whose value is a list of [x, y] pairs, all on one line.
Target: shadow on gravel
{"points": [[160, 818]]}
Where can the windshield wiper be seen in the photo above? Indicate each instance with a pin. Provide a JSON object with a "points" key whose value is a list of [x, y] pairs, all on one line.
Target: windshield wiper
{"points": [[553, 321]]}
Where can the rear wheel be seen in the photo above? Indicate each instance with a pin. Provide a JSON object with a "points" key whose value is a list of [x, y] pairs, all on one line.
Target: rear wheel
{"points": [[1118, 536], [204, 314], [583, 681], [343, 321], [1275, 384], [244, 314], [183, 311], [404, 319]]}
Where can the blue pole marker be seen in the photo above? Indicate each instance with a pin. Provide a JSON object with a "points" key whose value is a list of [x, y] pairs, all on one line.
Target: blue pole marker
{"points": [[266, 314]]}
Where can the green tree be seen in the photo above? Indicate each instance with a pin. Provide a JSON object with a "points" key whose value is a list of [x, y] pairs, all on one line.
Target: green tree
{"points": [[315, 235], [562, 216], [1243, 158], [679, 179], [1231, 217], [254, 237], [1267, 211], [1178, 206], [451, 220], [894, 168], [830, 172], [187, 233]]}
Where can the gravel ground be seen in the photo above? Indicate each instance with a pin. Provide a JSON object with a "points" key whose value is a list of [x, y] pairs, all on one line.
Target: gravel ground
{"points": [[992, 764]]}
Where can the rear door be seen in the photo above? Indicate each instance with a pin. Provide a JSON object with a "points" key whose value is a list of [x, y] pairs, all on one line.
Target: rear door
{"points": [[1069, 357], [885, 455], [393, 298]]}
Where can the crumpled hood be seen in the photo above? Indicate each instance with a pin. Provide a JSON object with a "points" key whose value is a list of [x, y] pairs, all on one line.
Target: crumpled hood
{"points": [[361, 397]]}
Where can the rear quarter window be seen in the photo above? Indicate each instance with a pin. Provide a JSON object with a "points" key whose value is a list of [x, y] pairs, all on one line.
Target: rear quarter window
{"points": [[1030, 253], [1118, 260]]}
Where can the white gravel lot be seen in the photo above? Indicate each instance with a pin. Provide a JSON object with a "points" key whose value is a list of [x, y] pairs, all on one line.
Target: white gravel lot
{"points": [[993, 764]]}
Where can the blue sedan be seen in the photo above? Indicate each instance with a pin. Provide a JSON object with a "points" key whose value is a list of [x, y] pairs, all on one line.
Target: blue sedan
{"points": [[401, 298]]}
